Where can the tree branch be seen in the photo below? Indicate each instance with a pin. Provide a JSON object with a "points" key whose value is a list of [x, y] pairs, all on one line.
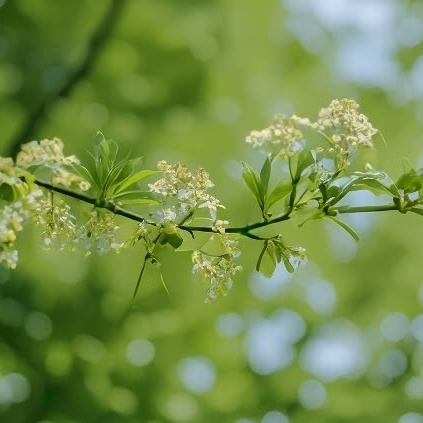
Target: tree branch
{"points": [[241, 230], [93, 50]]}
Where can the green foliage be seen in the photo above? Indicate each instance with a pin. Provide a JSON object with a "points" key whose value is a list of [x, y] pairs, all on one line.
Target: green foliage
{"points": [[114, 178]]}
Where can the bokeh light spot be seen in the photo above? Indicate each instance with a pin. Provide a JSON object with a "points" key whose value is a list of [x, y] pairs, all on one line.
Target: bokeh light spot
{"points": [[122, 400], [198, 374], [393, 363], [395, 327], [321, 296], [88, 348], [274, 417], [14, 388], [229, 325], [414, 388], [180, 407], [267, 288], [337, 350], [140, 352], [417, 327], [411, 418], [312, 394], [38, 325]]}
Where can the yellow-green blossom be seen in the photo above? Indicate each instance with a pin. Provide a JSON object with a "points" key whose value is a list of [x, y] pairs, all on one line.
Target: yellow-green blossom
{"points": [[218, 271], [49, 153], [284, 132], [183, 191]]}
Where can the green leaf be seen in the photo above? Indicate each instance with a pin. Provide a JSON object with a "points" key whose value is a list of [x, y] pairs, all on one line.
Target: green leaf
{"points": [[288, 265], [266, 263], [7, 193], [304, 160], [83, 172], [253, 182], [346, 227], [417, 210], [174, 239], [264, 178], [215, 247], [137, 177], [307, 213], [134, 197], [280, 191], [163, 283], [411, 181]]}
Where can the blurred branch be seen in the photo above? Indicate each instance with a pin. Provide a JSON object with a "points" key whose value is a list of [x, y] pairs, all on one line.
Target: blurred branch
{"points": [[93, 50]]}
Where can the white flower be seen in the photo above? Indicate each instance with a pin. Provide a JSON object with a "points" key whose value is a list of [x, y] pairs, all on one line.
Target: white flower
{"points": [[49, 153], [218, 271], [283, 132], [345, 128], [98, 233], [59, 223], [183, 191]]}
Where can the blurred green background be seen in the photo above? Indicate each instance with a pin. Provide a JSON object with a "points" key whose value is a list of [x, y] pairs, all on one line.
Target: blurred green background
{"points": [[185, 80]]}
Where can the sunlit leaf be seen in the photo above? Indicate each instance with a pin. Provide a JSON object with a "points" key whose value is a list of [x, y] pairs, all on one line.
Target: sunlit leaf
{"points": [[264, 178], [253, 182], [411, 181], [346, 227], [280, 191], [134, 197], [137, 177], [7, 193], [305, 159], [266, 263], [215, 247]]}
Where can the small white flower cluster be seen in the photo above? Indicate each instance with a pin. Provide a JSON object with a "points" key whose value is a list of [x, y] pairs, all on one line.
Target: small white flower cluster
{"points": [[13, 217], [345, 128], [220, 225], [283, 132], [49, 153], [296, 255], [98, 233], [218, 271], [59, 223], [182, 192]]}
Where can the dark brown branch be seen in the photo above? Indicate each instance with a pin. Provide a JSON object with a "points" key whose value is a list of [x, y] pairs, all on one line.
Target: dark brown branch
{"points": [[94, 47]]}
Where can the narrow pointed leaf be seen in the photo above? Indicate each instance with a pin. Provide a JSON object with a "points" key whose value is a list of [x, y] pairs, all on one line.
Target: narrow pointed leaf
{"points": [[264, 178], [253, 181], [163, 283], [137, 177], [280, 191], [346, 227]]}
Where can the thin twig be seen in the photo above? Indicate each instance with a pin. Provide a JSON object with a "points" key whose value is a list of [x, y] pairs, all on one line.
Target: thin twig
{"points": [[94, 47], [241, 230]]}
